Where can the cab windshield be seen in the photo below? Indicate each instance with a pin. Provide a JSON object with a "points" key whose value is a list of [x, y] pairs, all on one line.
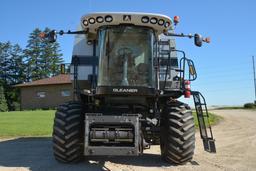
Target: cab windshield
{"points": [[126, 54]]}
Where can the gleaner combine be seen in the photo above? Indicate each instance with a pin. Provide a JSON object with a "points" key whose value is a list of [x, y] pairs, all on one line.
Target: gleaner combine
{"points": [[127, 76]]}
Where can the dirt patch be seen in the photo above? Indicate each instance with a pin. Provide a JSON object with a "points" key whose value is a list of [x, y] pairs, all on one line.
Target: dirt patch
{"points": [[235, 141]]}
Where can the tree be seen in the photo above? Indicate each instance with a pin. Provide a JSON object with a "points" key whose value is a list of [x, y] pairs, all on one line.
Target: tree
{"points": [[4, 63], [32, 53], [3, 104], [43, 57], [11, 73]]}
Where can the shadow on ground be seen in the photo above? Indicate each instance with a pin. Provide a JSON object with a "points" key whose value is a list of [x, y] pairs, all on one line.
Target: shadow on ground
{"points": [[36, 154]]}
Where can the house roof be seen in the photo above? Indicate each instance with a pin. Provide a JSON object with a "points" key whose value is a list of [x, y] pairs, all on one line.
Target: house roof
{"points": [[59, 79]]}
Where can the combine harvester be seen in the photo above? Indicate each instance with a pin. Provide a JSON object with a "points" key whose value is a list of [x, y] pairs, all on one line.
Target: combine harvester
{"points": [[127, 77]]}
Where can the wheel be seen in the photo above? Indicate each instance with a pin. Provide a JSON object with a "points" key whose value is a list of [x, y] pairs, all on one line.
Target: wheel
{"points": [[68, 133], [177, 133]]}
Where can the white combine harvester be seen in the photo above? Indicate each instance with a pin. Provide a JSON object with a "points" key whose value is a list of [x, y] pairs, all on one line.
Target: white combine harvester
{"points": [[127, 78]]}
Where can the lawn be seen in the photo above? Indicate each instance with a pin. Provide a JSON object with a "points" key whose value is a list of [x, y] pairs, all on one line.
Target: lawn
{"points": [[26, 123], [39, 123]]}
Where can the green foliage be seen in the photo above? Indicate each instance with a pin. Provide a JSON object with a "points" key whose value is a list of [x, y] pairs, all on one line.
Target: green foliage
{"points": [[249, 105], [43, 58], [3, 104], [40, 59], [26, 123]]}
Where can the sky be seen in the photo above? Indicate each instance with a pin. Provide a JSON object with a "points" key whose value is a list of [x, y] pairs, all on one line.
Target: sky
{"points": [[224, 67]]}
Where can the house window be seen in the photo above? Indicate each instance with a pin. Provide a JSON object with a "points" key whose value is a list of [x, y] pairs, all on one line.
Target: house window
{"points": [[65, 93], [41, 94]]}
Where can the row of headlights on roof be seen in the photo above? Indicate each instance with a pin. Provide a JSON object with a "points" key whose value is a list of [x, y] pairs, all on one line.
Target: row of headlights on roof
{"points": [[98, 19], [154, 20], [109, 19]]}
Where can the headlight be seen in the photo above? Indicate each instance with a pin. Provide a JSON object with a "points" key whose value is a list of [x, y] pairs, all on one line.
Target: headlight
{"points": [[167, 24], [153, 20], [108, 18], [145, 19], [99, 19], [161, 22], [85, 23], [91, 20]]}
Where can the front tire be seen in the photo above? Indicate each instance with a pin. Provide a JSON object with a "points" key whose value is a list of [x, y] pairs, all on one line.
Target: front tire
{"points": [[177, 133], [68, 133]]}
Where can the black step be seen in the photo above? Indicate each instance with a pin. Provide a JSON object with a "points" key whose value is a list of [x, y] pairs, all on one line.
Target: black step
{"points": [[209, 145], [164, 52], [164, 42]]}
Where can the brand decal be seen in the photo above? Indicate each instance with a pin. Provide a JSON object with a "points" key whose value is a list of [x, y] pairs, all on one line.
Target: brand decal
{"points": [[125, 90], [127, 18]]}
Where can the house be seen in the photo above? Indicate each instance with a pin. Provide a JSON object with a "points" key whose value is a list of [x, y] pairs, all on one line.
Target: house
{"points": [[46, 93]]}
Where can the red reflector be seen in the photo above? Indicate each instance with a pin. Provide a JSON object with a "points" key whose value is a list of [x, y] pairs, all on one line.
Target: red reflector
{"points": [[42, 35], [176, 19], [208, 40], [187, 94]]}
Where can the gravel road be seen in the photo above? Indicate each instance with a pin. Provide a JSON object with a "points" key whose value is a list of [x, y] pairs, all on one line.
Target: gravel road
{"points": [[235, 139]]}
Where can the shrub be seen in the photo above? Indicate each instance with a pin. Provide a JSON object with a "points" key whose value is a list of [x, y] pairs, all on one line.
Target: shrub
{"points": [[249, 105]]}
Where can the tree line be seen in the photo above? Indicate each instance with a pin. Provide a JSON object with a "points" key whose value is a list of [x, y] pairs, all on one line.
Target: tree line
{"points": [[39, 59]]}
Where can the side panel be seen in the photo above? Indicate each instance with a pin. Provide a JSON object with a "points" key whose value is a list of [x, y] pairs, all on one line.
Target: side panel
{"points": [[83, 49]]}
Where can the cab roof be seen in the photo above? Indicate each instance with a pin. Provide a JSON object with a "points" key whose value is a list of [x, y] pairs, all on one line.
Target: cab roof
{"points": [[93, 21]]}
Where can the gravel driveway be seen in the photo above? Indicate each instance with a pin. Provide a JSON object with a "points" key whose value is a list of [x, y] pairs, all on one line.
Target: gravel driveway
{"points": [[236, 150]]}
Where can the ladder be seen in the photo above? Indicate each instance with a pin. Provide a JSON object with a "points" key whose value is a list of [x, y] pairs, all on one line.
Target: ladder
{"points": [[203, 122], [164, 53]]}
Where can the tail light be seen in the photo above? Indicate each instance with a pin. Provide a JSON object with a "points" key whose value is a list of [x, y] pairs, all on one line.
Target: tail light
{"points": [[187, 92]]}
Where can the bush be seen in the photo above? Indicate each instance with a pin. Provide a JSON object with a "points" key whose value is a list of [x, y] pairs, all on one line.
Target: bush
{"points": [[249, 105], [3, 103]]}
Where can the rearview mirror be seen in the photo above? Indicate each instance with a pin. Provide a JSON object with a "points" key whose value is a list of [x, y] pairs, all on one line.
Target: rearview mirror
{"points": [[52, 36], [198, 40]]}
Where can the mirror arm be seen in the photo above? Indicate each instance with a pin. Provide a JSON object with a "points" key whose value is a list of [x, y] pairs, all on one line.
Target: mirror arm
{"points": [[61, 32], [206, 40], [178, 35]]}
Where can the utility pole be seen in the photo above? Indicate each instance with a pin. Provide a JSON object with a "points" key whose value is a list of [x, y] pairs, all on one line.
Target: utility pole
{"points": [[254, 78]]}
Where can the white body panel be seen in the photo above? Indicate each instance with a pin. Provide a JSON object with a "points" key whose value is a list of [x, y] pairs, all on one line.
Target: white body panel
{"points": [[82, 48]]}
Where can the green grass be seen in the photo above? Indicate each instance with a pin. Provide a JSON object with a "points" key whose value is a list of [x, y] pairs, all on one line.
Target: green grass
{"points": [[230, 107], [26, 123], [213, 119], [40, 122]]}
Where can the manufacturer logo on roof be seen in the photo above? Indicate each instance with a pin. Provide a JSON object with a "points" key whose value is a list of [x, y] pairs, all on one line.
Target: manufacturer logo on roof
{"points": [[127, 17]]}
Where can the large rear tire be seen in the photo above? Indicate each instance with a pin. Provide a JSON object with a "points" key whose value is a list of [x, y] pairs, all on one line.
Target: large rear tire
{"points": [[177, 133], [68, 133]]}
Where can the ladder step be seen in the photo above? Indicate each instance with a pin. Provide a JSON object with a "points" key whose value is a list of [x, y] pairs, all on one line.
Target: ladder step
{"points": [[209, 145], [164, 52], [164, 43]]}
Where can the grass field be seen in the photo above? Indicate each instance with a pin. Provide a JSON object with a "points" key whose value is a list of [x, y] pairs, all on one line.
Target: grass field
{"points": [[26, 123], [39, 123]]}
